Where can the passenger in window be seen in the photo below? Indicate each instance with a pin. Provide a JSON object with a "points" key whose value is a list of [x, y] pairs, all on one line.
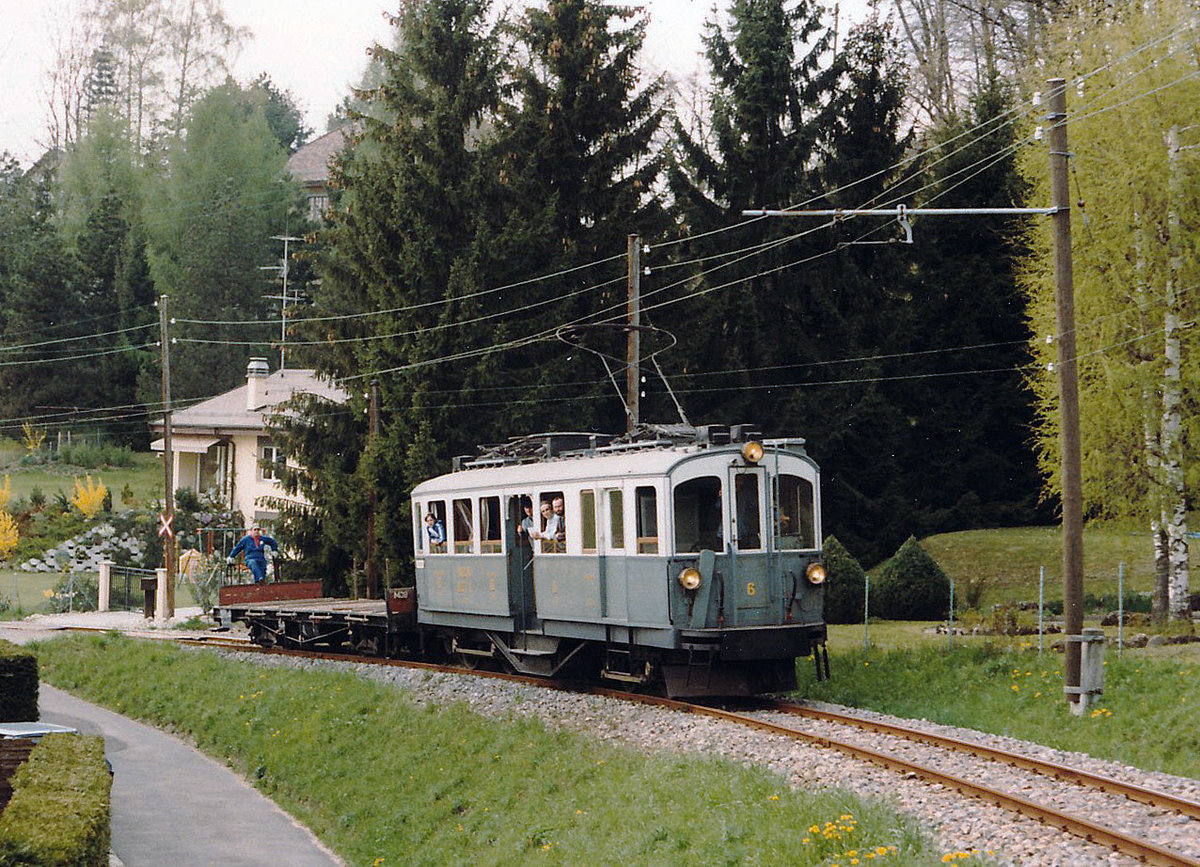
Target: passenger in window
{"points": [[436, 531], [560, 532], [527, 530], [550, 521]]}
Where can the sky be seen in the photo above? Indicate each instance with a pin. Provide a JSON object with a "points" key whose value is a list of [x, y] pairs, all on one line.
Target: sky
{"points": [[314, 48]]}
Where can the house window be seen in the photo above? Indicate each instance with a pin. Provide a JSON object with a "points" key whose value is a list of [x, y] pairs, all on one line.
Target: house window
{"points": [[317, 206], [270, 460]]}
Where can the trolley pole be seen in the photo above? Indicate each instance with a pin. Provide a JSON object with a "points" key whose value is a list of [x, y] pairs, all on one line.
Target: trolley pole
{"points": [[1068, 390], [168, 532], [633, 346], [372, 571]]}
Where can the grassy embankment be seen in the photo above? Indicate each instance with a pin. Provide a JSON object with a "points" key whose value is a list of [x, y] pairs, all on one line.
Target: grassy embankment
{"points": [[382, 780]]}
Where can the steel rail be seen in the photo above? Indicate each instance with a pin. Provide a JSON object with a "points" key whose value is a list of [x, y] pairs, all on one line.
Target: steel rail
{"points": [[1111, 785], [1143, 850]]}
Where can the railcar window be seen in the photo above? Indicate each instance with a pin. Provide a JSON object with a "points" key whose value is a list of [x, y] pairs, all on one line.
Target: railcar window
{"points": [[699, 515], [749, 516], [587, 518], [552, 522], [647, 520], [795, 514], [489, 525], [616, 520], [464, 528], [433, 532]]}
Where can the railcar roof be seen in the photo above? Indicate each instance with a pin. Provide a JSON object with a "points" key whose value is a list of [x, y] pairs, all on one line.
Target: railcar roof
{"points": [[621, 464]]}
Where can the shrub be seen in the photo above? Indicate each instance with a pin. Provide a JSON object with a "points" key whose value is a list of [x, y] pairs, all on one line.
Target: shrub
{"points": [[90, 500], [60, 812], [94, 457], [911, 586], [74, 592], [37, 499], [10, 535], [18, 684], [844, 584]]}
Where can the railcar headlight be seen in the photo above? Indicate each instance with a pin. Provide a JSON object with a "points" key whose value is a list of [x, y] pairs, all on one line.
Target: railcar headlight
{"points": [[689, 578], [753, 451], [815, 573]]}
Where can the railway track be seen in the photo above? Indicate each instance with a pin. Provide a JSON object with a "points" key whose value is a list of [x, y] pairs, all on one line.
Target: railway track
{"points": [[770, 716]]}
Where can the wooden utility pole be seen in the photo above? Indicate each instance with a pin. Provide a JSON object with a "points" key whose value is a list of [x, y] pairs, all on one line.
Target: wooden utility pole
{"points": [[633, 341], [168, 527], [372, 497], [1068, 386]]}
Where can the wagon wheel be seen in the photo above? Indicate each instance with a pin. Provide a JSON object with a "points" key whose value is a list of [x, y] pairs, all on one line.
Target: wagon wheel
{"points": [[466, 660]]}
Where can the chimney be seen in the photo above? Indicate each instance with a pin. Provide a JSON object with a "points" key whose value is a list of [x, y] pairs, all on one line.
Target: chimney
{"points": [[256, 383]]}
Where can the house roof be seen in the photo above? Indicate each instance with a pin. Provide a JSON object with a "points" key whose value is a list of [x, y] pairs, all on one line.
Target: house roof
{"points": [[228, 411], [310, 164]]}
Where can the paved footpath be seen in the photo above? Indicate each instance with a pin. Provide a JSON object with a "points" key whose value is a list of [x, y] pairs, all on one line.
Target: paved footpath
{"points": [[174, 805]]}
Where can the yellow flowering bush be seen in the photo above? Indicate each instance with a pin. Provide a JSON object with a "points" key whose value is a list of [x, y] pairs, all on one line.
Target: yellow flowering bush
{"points": [[89, 500], [5, 493], [31, 437], [9, 534]]}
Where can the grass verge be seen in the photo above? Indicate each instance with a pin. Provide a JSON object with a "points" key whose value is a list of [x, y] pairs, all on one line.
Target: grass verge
{"points": [[1146, 717], [382, 780]]}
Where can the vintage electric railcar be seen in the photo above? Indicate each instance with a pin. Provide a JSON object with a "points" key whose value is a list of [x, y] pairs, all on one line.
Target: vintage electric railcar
{"points": [[688, 559]]}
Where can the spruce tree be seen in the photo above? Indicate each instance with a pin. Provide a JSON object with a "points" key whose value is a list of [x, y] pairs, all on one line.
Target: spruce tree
{"points": [[580, 167], [410, 246], [755, 148]]}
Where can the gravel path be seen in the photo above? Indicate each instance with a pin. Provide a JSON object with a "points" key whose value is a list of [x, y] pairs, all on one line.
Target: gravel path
{"points": [[956, 823]]}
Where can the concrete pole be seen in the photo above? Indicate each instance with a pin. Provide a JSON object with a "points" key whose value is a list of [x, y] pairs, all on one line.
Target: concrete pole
{"points": [[105, 585]]}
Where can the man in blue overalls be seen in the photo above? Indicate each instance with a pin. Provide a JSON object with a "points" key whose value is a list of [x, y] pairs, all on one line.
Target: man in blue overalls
{"points": [[253, 548]]}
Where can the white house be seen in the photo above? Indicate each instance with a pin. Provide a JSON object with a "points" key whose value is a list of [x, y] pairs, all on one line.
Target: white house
{"points": [[219, 444]]}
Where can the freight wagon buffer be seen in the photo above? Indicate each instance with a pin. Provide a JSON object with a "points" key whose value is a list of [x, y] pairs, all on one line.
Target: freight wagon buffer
{"points": [[689, 557]]}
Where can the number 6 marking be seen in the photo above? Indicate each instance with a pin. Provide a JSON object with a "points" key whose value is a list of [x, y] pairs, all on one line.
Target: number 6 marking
{"points": [[751, 589]]}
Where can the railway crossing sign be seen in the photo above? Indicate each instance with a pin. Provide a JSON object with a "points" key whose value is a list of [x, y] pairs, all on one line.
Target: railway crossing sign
{"points": [[165, 528]]}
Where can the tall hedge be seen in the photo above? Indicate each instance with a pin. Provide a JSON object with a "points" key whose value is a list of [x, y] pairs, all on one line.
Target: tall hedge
{"points": [[60, 812], [911, 586], [843, 585], [18, 684]]}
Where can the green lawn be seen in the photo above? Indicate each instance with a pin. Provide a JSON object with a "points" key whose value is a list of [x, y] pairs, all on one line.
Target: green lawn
{"points": [[144, 478], [1008, 560]]}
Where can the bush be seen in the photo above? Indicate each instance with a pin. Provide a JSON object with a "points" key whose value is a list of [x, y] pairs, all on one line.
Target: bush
{"points": [[911, 586], [74, 592], [18, 684], [60, 812], [843, 585], [94, 457]]}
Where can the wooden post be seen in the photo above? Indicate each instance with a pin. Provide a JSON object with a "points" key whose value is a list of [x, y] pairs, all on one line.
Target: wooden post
{"points": [[1068, 388]]}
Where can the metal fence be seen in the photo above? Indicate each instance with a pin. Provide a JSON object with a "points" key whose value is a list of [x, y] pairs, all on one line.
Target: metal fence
{"points": [[125, 593]]}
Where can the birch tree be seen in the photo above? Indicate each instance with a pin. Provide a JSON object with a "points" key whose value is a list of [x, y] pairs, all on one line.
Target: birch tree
{"points": [[1135, 271]]}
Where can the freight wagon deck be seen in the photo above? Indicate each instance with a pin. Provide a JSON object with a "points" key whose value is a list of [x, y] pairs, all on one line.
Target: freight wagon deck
{"points": [[363, 625]]}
